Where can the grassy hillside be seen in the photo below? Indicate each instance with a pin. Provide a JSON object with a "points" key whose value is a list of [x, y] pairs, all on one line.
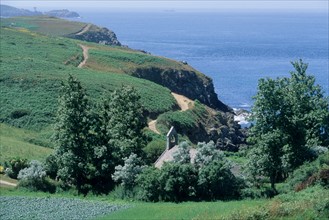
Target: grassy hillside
{"points": [[17, 142], [33, 67], [43, 24]]}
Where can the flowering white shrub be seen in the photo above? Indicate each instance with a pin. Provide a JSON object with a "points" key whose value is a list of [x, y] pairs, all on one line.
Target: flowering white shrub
{"points": [[33, 172], [127, 174]]}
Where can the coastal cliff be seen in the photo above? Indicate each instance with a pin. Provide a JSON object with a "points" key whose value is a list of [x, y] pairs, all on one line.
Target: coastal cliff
{"points": [[186, 82], [96, 34]]}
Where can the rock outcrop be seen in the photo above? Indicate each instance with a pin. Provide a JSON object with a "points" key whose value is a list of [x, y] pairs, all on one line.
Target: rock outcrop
{"points": [[185, 82], [97, 34]]}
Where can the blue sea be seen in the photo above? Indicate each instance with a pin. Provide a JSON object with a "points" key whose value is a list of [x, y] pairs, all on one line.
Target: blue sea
{"points": [[234, 49]]}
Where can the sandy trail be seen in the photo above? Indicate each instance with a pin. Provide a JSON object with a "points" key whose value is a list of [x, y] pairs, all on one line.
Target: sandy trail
{"points": [[2, 182], [84, 30], [152, 126], [85, 55], [183, 102]]}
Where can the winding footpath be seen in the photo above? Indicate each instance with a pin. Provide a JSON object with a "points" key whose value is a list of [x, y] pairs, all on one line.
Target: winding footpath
{"points": [[183, 102], [84, 29], [85, 50]]}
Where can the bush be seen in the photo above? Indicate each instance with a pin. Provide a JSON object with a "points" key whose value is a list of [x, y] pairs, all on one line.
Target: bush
{"points": [[310, 173], [149, 183], [14, 166], [127, 174], [34, 178], [19, 113], [153, 150]]}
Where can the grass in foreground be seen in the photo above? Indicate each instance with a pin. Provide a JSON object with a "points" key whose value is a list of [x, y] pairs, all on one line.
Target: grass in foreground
{"points": [[186, 210]]}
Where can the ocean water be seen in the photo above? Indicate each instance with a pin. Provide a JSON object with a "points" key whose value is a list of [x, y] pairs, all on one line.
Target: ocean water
{"points": [[234, 49]]}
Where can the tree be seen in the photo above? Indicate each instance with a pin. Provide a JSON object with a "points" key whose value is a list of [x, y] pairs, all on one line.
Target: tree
{"points": [[71, 136], [125, 124], [291, 117]]}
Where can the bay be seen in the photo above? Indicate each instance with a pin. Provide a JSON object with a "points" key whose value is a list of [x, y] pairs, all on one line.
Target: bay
{"points": [[234, 49]]}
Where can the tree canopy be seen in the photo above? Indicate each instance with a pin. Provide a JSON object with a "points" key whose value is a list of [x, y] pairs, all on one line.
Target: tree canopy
{"points": [[291, 117]]}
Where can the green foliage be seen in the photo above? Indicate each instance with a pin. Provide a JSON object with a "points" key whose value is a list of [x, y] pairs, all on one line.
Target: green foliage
{"points": [[291, 117], [23, 207], [216, 181], [153, 150], [14, 166], [308, 204], [174, 182], [149, 183], [209, 177], [310, 173], [185, 122], [125, 122], [91, 142], [71, 136]]}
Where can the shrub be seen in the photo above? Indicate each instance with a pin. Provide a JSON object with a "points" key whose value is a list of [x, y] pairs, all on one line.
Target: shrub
{"points": [[14, 166], [153, 150], [149, 183], [34, 178], [19, 113], [310, 173], [127, 174]]}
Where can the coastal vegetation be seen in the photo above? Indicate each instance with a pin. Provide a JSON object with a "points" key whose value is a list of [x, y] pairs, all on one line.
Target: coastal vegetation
{"points": [[77, 138]]}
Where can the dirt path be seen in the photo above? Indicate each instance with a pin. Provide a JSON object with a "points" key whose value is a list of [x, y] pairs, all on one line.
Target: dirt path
{"points": [[183, 102], [2, 182], [84, 30], [85, 55], [152, 126]]}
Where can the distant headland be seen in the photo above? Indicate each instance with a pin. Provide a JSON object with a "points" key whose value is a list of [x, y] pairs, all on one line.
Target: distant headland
{"points": [[9, 11]]}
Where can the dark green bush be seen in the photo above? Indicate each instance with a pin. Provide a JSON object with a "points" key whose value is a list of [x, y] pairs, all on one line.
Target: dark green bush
{"points": [[42, 184], [14, 166], [153, 150], [19, 113]]}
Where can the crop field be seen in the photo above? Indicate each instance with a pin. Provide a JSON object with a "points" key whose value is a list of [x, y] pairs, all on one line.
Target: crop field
{"points": [[17, 207]]}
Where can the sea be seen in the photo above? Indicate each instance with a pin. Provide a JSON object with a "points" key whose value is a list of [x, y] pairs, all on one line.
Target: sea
{"points": [[234, 49]]}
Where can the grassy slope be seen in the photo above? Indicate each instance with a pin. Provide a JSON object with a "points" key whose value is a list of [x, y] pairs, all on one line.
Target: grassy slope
{"points": [[33, 67], [17, 143], [46, 25]]}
